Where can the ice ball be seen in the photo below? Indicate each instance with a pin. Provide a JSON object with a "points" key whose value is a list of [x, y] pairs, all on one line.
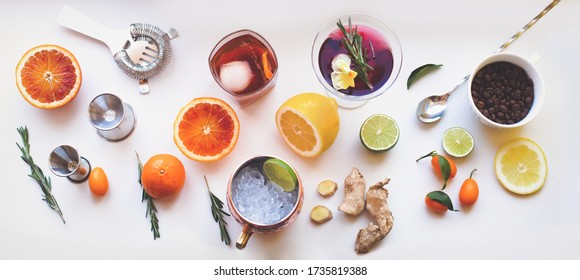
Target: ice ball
{"points": [[236, 76]]}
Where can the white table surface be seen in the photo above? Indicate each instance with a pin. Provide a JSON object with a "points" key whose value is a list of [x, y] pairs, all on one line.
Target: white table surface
{"points": [[458, 34]]}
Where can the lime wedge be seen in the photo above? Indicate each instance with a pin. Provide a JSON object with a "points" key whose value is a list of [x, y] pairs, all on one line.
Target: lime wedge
{"points": [[280, 173], [379, 133], [457, 142]]}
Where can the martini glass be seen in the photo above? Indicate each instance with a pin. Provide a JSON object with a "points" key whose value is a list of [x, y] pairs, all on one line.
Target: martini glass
{"points": [[380, 46]]}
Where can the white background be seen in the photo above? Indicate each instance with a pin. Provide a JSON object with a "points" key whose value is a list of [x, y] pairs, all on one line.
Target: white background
{"points": [[455, 33]]}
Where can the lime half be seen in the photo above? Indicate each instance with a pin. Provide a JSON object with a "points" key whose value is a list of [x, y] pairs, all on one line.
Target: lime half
{"points": [[457, 142], [280, 173], [379, 133]]}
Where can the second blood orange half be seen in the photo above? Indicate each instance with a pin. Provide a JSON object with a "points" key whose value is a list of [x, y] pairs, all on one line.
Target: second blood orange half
{"points": [[206, 129]]}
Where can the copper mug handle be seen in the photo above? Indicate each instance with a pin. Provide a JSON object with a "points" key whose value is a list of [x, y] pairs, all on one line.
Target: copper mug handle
{"points": [[244, 237]]}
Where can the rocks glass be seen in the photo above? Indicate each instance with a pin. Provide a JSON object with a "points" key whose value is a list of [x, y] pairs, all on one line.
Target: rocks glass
{"points": [[244, 64]]}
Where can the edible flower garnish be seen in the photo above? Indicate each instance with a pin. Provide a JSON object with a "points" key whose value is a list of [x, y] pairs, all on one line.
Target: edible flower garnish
{"points": [[342, 76]]}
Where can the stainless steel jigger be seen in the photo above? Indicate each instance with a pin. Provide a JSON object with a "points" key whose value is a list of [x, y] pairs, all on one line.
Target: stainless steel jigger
{"points": [[113, 118], [64, 161]]}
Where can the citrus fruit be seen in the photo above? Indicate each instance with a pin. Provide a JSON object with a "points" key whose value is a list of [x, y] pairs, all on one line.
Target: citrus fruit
{"points": [[435, 206], [439, 202], [379, 133], [521, 166], [163, 176], [469, 191], [457, 142], [280, 173], [308, 123], [48, 76], [206, 129], [98, 182]]}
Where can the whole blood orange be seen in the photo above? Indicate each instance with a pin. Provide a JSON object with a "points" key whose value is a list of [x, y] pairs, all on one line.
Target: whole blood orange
{"points": [[163, 176], [206, 129], [48, 76]]}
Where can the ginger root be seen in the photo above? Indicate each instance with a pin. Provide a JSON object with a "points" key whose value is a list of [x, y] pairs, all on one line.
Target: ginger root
{"points": [[327, 188], [376, 204], [320, 214], [354, 193]]}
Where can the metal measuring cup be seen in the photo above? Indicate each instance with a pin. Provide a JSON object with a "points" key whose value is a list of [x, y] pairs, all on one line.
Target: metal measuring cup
{"points": [[65, 161], [113, 119], [250, 227]]}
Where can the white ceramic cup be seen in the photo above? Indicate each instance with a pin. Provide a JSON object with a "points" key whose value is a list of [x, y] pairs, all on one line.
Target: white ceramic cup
{"points": [[533, 73]]}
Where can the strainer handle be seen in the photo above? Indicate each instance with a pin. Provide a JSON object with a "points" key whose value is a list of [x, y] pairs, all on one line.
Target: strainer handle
{"points": [[81, 23]]}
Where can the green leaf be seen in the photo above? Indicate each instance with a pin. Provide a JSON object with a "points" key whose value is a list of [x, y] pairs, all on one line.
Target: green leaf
{"points": [[420, 72], [442, 198], [445, 169]]}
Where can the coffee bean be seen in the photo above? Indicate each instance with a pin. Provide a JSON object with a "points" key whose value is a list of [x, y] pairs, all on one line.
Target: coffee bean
{"points": [[503, 91]]}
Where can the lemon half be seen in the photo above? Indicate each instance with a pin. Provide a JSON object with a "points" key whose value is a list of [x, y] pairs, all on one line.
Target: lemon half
{"points": [[521, 166], [308, 123]]}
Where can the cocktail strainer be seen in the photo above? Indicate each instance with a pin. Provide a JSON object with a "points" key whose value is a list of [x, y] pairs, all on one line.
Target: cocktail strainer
{"points": [[141, 51]]}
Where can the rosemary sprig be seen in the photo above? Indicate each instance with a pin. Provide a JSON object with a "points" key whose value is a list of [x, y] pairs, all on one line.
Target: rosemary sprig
{"points": [[218, 214], [36, 173], [151, 209], [352, 41]]}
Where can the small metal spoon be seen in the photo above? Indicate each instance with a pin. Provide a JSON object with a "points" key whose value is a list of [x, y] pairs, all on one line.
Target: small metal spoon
{"points": [[432, 108]]}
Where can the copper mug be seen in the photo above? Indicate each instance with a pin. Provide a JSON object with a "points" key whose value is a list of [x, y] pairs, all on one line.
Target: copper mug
{"points": [[249, 227]]}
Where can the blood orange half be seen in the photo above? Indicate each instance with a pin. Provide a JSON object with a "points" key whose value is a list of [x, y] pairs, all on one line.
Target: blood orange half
{"points": [[48, 76], [206, 129]]}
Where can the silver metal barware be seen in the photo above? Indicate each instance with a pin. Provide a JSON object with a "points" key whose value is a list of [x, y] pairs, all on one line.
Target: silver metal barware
{"points": [[65, 161], [113, 119]]}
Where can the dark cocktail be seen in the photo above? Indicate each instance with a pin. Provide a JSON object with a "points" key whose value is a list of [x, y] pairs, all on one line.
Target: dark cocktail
{"points": [[244, 64], [356, 58]]}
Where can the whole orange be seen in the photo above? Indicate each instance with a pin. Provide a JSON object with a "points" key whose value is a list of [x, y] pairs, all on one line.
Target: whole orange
{"points": [[163, 176]]}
